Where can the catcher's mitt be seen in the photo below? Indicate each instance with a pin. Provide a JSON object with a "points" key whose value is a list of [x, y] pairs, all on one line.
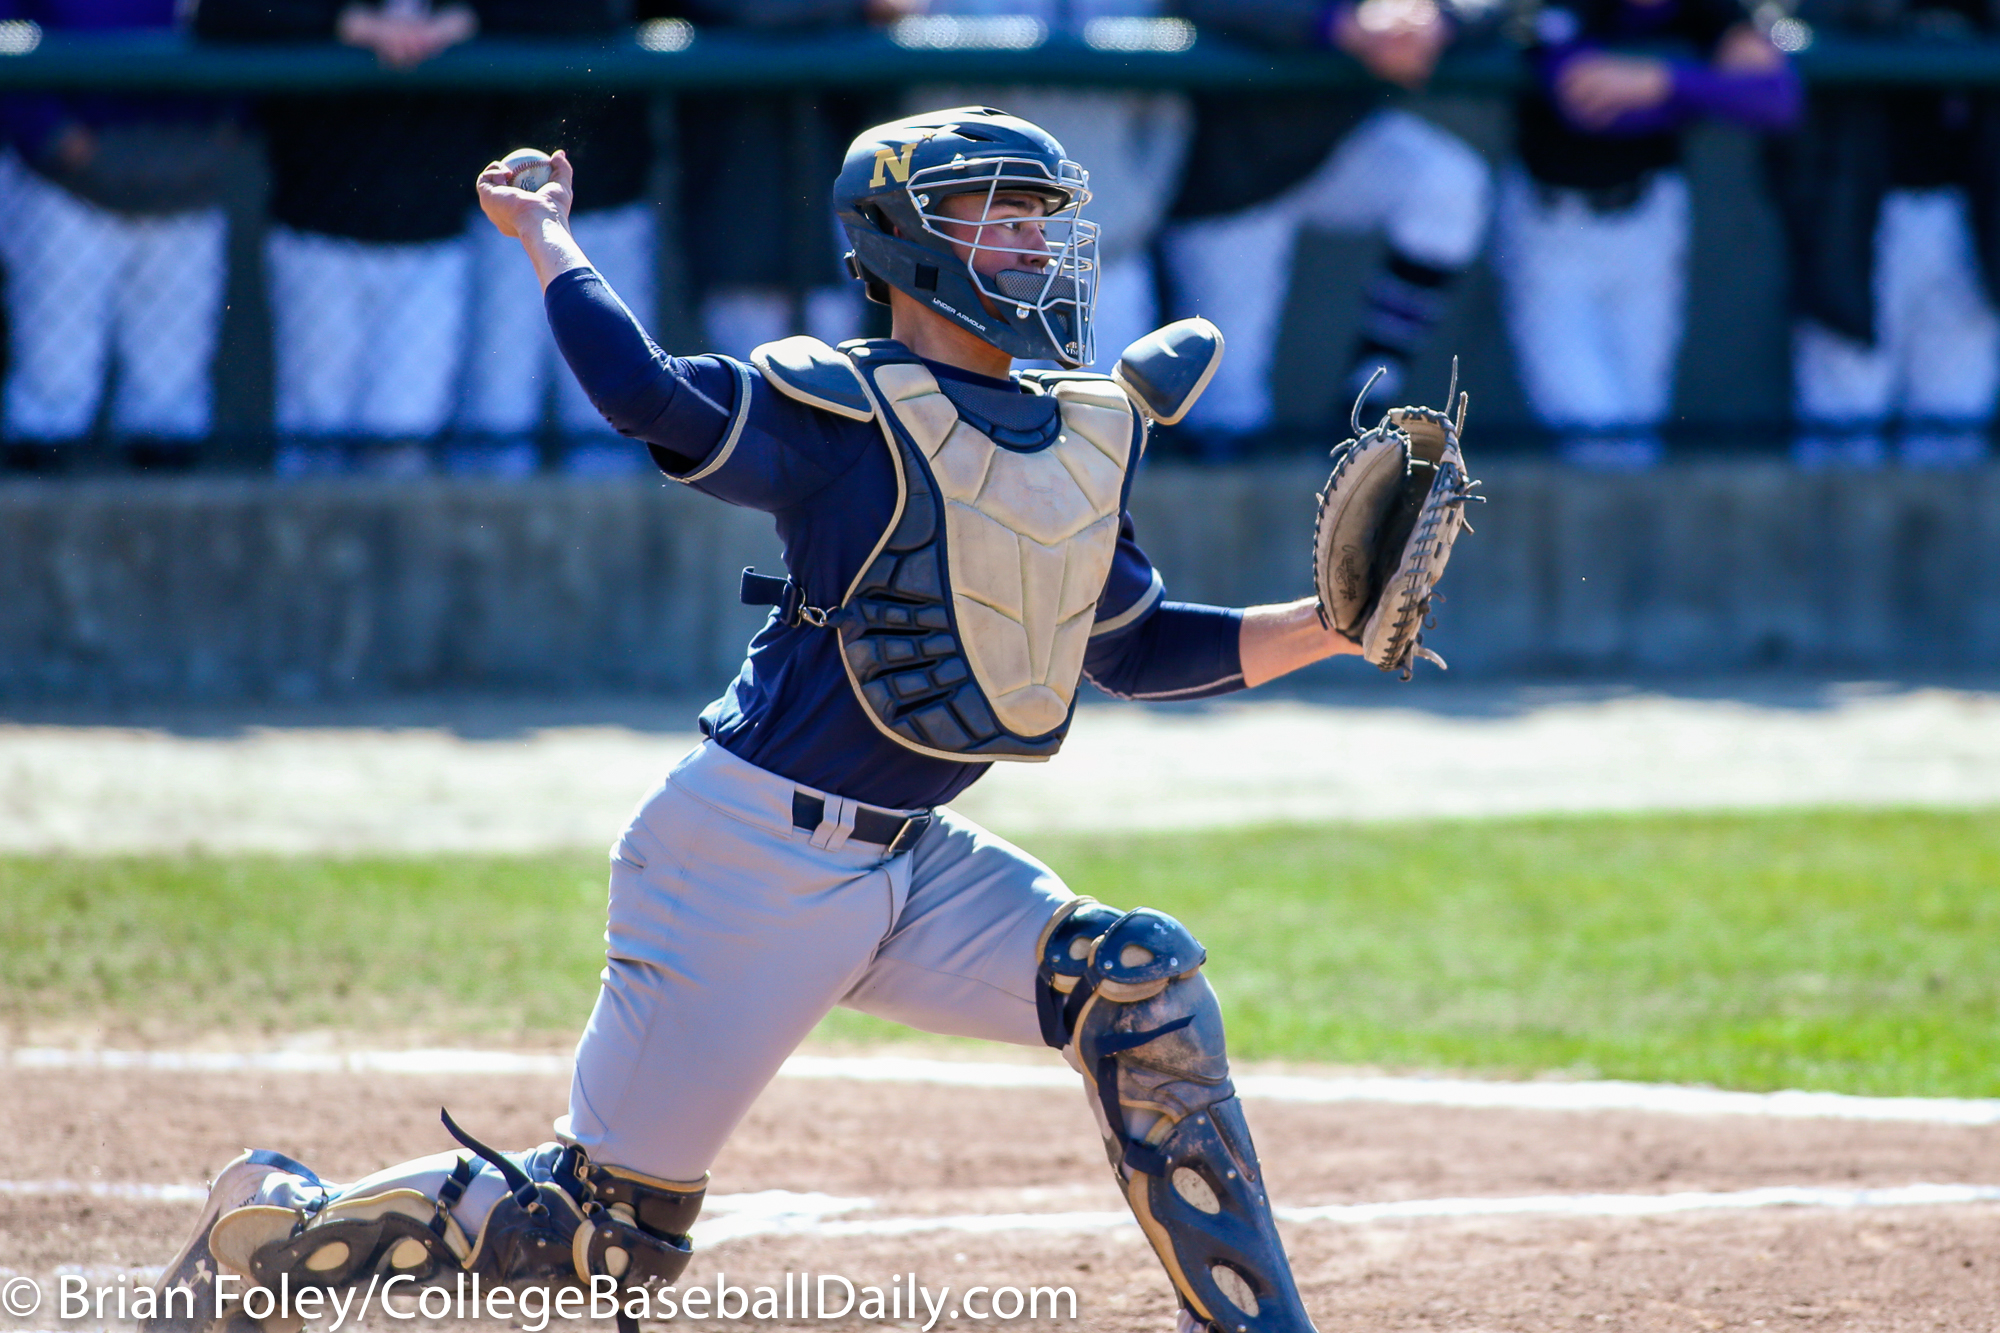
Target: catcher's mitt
{"points": [[1387, 520]]}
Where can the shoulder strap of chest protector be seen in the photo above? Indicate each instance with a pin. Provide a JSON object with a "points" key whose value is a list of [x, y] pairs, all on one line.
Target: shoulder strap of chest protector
{"points": [[809, 371]]}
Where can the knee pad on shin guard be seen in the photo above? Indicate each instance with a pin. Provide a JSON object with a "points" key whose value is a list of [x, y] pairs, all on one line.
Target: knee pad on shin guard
{"points": [[1142, 1024], [1065, 958]]}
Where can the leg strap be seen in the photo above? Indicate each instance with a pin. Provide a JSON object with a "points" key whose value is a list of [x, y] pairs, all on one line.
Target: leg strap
{"points": [[603, 1221], [1132, 1153], [519, 1187]]}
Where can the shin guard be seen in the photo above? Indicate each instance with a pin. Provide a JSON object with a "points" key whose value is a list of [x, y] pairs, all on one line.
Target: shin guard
{"points": [[1140, 1022], [548, 1216]]}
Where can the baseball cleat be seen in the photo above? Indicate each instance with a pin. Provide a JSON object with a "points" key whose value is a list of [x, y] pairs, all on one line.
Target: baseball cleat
{"points": [[186, 1290]]}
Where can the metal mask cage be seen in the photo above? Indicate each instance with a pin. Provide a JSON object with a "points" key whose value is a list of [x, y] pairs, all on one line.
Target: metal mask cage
{"points": [[1063, 291]]}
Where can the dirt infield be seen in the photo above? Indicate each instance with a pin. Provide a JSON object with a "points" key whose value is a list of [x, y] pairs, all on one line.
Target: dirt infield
{"points": [[910, 1167]]}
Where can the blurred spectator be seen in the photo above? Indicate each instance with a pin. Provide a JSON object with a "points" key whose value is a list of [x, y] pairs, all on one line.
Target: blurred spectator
{"points": [[1132, 143], [1891, 201], [1592, 230], [1264, 165], [763, 267], [114, 251], [367, 256], [512, 366]]}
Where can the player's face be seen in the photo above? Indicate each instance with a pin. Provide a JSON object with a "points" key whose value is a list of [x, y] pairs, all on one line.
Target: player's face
{"points": [[1003, 232]]}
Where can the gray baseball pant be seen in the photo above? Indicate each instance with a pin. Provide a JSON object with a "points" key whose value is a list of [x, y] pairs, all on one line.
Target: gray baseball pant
{"points": [[732, 934]]}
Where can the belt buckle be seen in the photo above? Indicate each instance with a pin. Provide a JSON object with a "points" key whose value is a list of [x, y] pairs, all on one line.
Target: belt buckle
{"points": [[906, 837]]}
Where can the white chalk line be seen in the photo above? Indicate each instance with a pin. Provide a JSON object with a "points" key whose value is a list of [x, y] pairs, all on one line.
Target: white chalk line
{"points": [[731, 1217], [1357, 1214], [435, 1061], [1481, 1094]]}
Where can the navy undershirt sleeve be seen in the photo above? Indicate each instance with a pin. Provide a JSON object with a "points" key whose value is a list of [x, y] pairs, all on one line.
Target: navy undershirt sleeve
{"points": [[677, 406], [1146, 648], [1177, 651], [708, 420], [1132, 587]]}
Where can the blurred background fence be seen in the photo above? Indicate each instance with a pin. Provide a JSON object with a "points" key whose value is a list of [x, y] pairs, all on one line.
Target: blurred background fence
{"points": [[230, 583]]}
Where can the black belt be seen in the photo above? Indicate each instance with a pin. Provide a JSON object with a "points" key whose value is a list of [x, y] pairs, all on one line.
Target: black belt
{"points": [[898, 833]]}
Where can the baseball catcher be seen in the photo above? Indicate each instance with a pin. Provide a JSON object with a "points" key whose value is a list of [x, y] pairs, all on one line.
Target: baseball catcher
{"points": [[959, 560]]}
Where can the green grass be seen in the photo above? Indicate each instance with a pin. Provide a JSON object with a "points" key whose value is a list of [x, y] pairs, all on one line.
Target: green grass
{"points": [[477, 946], [1826, 949]]}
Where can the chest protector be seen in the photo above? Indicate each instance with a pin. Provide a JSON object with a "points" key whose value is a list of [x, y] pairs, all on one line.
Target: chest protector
{"points": [[964, 633]]}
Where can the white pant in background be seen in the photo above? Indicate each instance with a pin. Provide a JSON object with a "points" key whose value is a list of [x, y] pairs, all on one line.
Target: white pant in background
{"points": [[1595, 306], [1128, 308], [512, 360], [367, 335], [1936, 358], [1426, 190], [737, 320], [85, 284]]}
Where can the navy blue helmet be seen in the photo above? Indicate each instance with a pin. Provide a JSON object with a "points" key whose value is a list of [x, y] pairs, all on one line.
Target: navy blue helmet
{"points": [[1034, 298]]}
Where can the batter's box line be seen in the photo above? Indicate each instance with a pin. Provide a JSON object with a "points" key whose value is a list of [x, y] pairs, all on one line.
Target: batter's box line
{"points": [[782, 1212]]}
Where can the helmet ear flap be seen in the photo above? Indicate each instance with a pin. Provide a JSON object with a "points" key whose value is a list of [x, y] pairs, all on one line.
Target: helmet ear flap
{"points": [[873, 287]]}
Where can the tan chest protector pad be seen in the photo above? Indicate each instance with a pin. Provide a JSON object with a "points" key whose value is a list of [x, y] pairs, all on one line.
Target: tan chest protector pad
{"points": [[965, 631], [1029, 536]]}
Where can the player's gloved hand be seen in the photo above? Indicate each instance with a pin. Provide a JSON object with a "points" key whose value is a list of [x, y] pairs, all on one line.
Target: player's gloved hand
{"points": [[1387, 520], [518, 212]]}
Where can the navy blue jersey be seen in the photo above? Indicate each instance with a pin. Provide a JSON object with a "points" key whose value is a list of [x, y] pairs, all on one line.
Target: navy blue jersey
{"points": [[713, 423]]}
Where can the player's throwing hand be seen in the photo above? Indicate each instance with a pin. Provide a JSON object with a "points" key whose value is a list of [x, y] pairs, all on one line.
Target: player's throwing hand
{"points": [[1397, 40], [1595, 90], [515, 211]]}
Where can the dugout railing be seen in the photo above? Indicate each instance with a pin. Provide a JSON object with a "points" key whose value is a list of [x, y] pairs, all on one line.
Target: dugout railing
{"points": [[671, 55]]}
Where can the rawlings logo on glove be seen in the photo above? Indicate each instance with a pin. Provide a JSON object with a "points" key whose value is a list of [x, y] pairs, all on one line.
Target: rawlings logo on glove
{"points": [[1387, 520]]}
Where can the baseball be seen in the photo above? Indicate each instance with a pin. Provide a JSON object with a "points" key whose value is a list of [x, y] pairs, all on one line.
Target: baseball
{"points": [[530, 168]]}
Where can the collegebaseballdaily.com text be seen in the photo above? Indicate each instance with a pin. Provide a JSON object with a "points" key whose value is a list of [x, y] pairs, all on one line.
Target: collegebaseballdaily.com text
{"points": [[902, 1299]]}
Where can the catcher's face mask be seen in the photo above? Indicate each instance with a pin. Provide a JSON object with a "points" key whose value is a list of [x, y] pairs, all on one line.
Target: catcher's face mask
{"points": [[939, 206], [1022, 237]]}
